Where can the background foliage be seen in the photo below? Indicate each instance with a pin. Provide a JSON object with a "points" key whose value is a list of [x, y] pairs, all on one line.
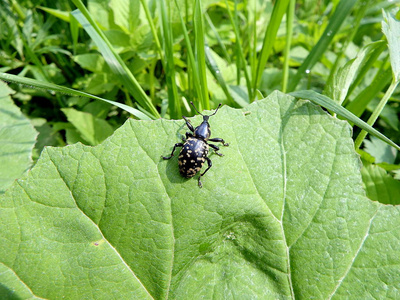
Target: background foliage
{"points": [[152, 56]]}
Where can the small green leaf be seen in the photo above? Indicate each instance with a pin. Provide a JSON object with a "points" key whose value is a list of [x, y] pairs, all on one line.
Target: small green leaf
{"points": [[92, 129], [259, 95], [346, 75], [391, 28], [17, 139], [126, 14], [380, 150], [93, 62], [47, 136], [380, 186]]}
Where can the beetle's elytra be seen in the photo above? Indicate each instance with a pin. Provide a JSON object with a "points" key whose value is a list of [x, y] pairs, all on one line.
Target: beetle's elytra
{"points": [[195, 147]]}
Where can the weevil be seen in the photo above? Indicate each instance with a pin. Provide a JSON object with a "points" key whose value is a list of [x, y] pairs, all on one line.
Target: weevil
{"points": [[195, 147]]}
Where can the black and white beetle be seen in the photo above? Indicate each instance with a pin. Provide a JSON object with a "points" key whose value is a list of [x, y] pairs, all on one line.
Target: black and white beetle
{"points": [[195, 147]]}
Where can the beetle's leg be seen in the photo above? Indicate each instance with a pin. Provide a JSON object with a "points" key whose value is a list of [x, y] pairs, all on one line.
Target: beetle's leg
{"points": [[188, 135], [218, 140], [173, 150], [216, 148], [190, 126], [209, 163]]}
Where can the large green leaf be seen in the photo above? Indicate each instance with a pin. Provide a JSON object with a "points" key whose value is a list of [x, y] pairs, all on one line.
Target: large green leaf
{"points": [[17, 139], [283, 214]]}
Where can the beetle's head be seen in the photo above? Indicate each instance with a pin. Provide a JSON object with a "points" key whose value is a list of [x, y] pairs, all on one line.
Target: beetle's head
{"points": [[203, 130]]}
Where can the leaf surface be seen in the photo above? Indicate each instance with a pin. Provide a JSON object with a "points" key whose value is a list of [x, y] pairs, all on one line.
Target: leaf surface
{"points": [[283, 214], [17, 139]]}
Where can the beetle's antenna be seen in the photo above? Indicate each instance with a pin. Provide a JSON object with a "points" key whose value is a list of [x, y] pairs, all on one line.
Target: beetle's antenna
{"points": [[191, 102], [215, 110]]}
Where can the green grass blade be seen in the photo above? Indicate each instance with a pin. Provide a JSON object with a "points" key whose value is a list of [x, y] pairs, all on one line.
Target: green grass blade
{"points": [[381, 80], [62, 15], [391, 29], [359, 14], [168, 45], [56, 88], [337, 89], [269, 38], [199, 35], [221, 44], [74, 27], [372, 119], [381, 46], [342, 11], [153, 30], [213, 67], [192, 62], [241, 59], [115, 62], [328, 103], [253, 47], [289, 31]]}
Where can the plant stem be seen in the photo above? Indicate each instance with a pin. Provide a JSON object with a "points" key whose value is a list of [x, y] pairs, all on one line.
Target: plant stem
{"points": [[289, 32], [376, 113]]}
